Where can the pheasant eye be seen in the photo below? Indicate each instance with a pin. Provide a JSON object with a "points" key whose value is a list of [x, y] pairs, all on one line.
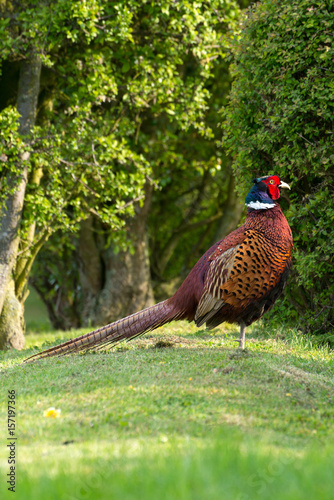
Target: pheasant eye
{"points": [[272, 181]]}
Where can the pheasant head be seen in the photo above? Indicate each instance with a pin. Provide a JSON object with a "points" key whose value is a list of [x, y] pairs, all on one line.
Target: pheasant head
{"points": [[265, 192]]}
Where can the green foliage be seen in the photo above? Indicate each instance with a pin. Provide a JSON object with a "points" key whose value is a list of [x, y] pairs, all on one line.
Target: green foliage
{"points": [[110, 64], [116, 77], [11, 148], [281, 120]]}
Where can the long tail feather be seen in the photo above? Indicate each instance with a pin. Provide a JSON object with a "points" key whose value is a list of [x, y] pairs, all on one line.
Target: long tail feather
{"points": [[123, 329]]}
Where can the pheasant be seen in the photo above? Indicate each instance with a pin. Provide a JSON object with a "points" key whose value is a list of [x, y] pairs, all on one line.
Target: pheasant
{"points": [[237, 280]]}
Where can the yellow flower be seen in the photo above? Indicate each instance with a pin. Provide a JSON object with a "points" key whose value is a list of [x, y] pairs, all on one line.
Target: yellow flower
{"points": [[52, 412], [190, 378], [288, 394]]}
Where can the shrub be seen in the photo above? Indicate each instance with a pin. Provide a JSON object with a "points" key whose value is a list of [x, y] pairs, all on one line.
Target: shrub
{"points": [[280, 119]]}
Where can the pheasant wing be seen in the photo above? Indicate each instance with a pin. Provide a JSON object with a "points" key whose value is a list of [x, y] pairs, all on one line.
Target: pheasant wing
{"points": [[218, 274]]}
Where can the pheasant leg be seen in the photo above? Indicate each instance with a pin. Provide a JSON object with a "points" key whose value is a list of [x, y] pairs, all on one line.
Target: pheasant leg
{"points": [[242, 336]]}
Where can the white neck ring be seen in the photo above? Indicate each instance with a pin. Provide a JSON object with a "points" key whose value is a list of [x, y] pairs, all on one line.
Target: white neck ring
{"points": [[258, 205]]}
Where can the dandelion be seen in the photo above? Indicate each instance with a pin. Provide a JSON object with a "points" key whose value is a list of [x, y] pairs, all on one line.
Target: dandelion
{"points": [[288, 394], [52, 412], [190, 378]]}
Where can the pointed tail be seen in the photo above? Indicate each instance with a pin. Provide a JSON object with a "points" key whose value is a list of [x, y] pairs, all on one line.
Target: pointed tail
{"points": [[123, 329]]}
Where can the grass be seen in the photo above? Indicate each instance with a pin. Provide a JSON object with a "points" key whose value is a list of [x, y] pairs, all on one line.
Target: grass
{"points": [[35, 313], [178, 413]]}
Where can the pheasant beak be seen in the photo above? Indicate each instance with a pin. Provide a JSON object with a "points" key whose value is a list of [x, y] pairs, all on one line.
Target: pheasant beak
{"points": [[284, 185]]}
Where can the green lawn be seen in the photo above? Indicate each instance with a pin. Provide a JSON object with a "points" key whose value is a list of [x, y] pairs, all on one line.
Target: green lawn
{"points": [[177, 414]]}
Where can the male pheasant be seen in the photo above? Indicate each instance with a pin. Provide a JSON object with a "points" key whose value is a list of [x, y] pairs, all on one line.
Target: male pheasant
{"points": [[237, 280]]}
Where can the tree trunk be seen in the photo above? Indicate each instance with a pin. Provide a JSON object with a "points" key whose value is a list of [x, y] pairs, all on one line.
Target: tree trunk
{"points": [[115, 284], [11, 320], [11, 309]]}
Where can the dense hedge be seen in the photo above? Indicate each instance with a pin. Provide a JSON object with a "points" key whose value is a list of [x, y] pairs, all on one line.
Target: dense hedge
{"points": [[280, 120]]}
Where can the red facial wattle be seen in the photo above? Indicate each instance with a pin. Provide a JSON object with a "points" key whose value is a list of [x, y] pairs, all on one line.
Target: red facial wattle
{"points": [[273, 182]]}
